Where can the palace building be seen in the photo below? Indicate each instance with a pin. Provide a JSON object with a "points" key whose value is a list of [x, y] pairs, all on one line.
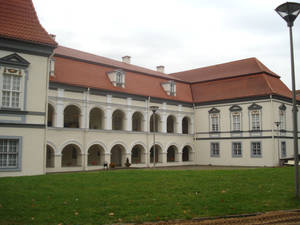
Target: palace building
{"points": [[68, 110]]}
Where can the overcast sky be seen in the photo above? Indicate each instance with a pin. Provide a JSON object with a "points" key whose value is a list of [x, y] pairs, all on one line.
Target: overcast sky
{"points": [[179, 34]]}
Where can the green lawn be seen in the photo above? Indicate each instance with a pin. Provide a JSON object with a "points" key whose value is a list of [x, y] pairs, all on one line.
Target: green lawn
{"points": [[143, 195]]}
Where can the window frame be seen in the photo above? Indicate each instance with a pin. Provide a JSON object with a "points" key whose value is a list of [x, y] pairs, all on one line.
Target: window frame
{"points": [[282, 119], [255, 155], [214, 122], [258, 113], [213, 150], [233, 150], [19, 154], [21, 84], [233, 123]]}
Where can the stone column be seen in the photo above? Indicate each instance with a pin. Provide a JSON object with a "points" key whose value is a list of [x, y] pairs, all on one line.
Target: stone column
{"points": [[60, 109], [163, 122], [179, 124], [108, 113], [128, 120]]}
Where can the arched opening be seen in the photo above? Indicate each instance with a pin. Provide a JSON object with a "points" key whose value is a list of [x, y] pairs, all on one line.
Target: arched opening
{"points": [[50, 157], [171, 124], [71, 116], [157, 123], [158, 154], [50, 120], [71, 156], [186, 153], [118, 155], [137, 154], [96, 118], [137, 121], [118, 120], [185, 125], [172, 154], [95, 155]]}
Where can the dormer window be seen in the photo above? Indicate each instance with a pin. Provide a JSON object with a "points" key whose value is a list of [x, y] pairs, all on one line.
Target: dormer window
{"points": [[170, 87], [117, 78]]}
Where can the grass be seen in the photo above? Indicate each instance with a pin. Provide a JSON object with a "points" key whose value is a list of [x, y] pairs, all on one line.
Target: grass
{"points": [[143, 195]]}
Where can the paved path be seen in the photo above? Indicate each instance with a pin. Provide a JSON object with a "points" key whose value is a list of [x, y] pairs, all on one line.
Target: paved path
{"points": [[276, 217]]}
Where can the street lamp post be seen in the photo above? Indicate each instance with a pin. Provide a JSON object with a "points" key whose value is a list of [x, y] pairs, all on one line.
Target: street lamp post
{"points": [[277, 125], [154, 109], [289, 12]]}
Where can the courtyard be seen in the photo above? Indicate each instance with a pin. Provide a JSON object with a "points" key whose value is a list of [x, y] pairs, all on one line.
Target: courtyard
{"points": [[143, 195]]}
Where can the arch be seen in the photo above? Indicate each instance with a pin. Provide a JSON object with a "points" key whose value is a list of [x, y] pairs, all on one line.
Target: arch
{"points": [[172, 154], [96, 154], [118, 120], [138, 154], [137, 121], [186, 125], [118, 155], [98, 143], [96, 118], [51, 112], [74, 142], [50, 156], [72, 115], [157, 123], [171, 124], [187, 151], [158, 154], [71, 156]]}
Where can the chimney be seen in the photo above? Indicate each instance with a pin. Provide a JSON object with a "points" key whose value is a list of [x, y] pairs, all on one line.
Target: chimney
{"points": [[126, 59], [53, 36], [160, 69]]}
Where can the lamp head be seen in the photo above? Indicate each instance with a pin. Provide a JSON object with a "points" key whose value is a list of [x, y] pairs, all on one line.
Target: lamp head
{"points": [[289, 12], [154, 108]]}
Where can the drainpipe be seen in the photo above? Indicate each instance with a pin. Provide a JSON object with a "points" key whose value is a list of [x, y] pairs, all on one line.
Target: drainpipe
{"points": [[46, 113]]}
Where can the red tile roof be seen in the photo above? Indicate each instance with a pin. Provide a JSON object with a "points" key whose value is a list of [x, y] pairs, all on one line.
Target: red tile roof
{"points": [[226, 70], [238, 79], [239, 87], [84, 74], [79, 55], [18, 20]]}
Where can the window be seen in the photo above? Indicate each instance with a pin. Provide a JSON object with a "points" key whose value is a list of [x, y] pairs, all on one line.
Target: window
{"points": [[282, 119], [283, 149], [12, 81], [256, 149], [215, 122], [119, 79], [214, 150], [172, 88], [255, 118], [236, 121], [9, 154], [11, 89], [236, 149]]}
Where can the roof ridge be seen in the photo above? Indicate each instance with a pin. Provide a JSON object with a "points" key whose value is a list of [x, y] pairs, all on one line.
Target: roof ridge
{"points": [[269, 85], [215, 65], [37, 19]]}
